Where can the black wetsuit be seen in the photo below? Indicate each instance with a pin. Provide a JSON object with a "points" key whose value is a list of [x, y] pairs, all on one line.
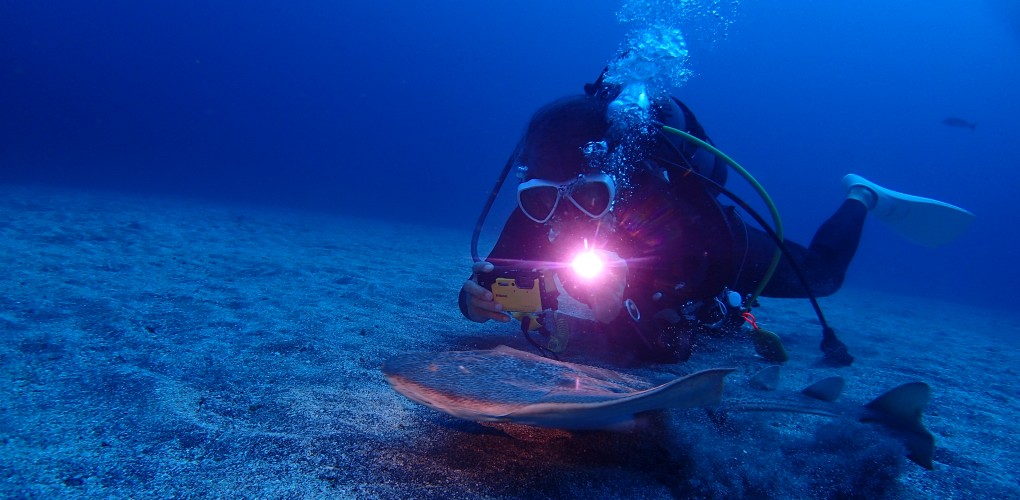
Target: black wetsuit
{"points": [[684, 247]]}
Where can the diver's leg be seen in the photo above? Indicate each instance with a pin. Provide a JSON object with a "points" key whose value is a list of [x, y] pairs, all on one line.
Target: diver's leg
{"points": [[836, 240], [824, 262], [922, 220]]}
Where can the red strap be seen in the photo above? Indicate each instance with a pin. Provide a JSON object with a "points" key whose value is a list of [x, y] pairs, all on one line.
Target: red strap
{"points": [[748, 317]]}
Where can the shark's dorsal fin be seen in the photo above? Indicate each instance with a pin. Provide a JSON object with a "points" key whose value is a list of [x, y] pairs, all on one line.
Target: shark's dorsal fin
{"points": [[826, 389], [900, 409], [766, 379]]}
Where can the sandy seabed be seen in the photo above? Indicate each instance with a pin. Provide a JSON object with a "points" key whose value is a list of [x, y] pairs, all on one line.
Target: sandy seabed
{"points": [[161, 348]]}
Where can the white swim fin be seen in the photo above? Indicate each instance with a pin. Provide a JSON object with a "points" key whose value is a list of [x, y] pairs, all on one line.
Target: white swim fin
{"points": [[923, 220]]}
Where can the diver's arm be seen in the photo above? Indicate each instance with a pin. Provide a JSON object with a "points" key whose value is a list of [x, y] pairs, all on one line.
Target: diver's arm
{"points": [[476, 303], [511, 249]]}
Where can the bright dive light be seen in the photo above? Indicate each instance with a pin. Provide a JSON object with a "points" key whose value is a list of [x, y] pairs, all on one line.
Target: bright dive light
{"points": [[587, 265]]}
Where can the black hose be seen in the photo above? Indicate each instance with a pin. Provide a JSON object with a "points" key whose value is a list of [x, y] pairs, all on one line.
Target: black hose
{"points": [[834, 351]]}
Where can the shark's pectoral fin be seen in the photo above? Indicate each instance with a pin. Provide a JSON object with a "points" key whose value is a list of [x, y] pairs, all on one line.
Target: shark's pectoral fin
{"points": [[900, 410], [767, 379], [827, 389], [703, 388]]}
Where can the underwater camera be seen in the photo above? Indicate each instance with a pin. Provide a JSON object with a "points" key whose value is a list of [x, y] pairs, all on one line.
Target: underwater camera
{"points": [[518, 290]]}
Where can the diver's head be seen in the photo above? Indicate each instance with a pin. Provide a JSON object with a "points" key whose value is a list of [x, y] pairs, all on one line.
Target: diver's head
{"points": [[557, 135], [561, 184]]}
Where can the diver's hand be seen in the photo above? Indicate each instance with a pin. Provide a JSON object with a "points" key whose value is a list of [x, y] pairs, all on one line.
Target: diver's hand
{"points": [[607, 289], [480, 305]]}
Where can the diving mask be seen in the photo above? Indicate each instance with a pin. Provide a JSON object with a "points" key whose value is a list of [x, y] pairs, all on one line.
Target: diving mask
{"points": [[592, 194]]}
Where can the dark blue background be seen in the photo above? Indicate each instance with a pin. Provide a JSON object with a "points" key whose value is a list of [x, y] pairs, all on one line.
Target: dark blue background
{"points": [[407, 111]]}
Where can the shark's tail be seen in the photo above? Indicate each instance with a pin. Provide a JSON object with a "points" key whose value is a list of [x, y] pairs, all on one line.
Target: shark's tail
{"points": [[900, 410]]}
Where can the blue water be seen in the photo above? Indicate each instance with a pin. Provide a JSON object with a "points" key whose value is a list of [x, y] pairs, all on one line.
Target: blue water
{"points": [[406, 110]]}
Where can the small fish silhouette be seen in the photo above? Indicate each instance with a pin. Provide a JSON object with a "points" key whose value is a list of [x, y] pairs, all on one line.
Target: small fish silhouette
{"points": [[953, 121]]}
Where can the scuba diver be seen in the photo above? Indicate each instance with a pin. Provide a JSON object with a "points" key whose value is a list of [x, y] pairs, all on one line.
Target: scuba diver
{"points": [[631, 217]]}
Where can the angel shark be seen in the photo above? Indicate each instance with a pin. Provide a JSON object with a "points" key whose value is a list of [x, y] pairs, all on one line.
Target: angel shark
{"points": [[508, 385]]}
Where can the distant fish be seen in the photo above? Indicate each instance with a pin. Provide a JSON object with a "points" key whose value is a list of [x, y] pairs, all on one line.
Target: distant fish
{"points": [[507, 385], [953, 121]]}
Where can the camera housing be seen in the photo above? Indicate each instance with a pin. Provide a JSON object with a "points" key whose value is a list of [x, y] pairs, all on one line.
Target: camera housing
{"points": [[518, 290]]}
